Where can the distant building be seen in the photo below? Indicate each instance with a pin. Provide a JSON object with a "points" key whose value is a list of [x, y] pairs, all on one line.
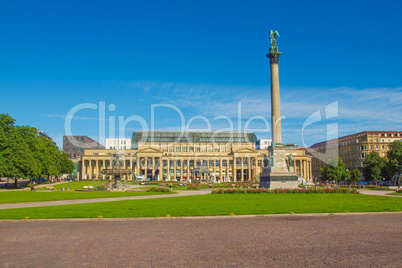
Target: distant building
{"points": [[173, 155], [352, 149], [263, 144], [74, 146], [43, 134], [118, 144]]}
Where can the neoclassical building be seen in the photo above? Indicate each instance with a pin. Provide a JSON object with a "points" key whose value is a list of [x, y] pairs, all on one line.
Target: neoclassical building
{"points": [[352, 149], [173, 155]]}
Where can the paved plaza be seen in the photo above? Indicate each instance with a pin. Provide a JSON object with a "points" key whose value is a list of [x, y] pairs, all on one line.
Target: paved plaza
{"points": [[356, 240]]}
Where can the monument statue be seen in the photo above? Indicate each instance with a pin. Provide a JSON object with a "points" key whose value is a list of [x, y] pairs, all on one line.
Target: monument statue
{"points": [[271, 160], [291, 161], [265, 161], [272, 37]]}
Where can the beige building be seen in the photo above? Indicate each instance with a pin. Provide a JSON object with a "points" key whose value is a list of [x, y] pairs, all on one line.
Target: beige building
{"points": [[352, 149], [170, 155]]}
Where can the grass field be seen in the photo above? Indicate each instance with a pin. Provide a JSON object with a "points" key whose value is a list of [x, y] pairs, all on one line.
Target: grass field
{"points": [[19, 196], [74, 185], [211, 205], [28, 196]]}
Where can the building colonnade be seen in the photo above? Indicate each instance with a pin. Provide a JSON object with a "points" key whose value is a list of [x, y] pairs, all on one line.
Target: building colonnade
{"points": [[157, 165]]}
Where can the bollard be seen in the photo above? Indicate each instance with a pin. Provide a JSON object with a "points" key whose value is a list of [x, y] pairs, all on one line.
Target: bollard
{"points": [[62, 189]]}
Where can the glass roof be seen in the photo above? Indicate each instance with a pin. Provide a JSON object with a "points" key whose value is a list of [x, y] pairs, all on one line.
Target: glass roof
{"points": [[191, 137]]}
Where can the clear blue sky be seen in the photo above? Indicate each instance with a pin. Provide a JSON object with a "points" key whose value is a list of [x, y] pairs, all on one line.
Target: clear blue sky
{"points": [[204, 58]]}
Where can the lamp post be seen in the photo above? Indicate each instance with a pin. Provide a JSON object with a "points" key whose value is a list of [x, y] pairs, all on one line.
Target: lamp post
{"points": [[347, 170]]}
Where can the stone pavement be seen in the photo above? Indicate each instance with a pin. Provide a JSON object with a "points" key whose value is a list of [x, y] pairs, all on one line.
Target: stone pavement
{"points": [[97, 200], [280, 241]]}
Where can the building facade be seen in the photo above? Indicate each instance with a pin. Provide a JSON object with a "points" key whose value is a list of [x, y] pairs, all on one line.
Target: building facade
{"points": [[263, 144], [352, 149], [169, 155], [118, 144], [74, 146]]}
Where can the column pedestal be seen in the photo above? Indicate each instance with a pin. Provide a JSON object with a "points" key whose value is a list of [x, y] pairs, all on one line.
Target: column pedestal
{"points": [[277, 176]]}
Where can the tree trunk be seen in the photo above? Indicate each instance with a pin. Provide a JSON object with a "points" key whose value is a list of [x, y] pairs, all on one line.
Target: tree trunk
{"points": [[15, 182]]}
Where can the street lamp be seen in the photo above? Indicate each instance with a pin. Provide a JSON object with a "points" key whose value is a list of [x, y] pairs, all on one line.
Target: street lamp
{"points": [[213, 180]]}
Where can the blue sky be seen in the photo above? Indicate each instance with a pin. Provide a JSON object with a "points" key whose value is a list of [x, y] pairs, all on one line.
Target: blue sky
{"points": [[201, 65]]}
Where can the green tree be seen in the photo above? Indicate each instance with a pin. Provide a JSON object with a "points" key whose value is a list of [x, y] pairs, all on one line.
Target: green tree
{"points": [[18, 161], [66, 165], [355, 175], [394, 164], [335, 170], [25, 155], [374, 167], [49, 155]]}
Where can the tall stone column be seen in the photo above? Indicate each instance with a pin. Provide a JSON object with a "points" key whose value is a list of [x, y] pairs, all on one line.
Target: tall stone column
{"points": [[273, 56], [277, 174]]}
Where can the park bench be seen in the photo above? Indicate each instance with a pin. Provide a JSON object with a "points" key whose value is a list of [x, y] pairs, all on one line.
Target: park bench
{"points": [[49, 187], [88, 187]]}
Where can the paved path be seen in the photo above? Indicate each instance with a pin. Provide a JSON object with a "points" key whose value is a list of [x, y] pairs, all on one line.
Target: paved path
{"points": [[98, 200], [378, 192], [280, 241]]}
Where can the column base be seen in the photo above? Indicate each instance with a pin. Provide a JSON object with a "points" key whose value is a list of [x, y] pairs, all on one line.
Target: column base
{"points": [[275, 180]]}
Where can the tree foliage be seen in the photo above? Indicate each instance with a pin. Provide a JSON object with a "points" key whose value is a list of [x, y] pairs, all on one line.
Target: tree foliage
{"points": [[374, 167], [355, 175], [335, 170], [23, 154], [394, 164]]}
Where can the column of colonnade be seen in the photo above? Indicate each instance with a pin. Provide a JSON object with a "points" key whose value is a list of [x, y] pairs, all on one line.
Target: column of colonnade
{"points": [[226, 168]]}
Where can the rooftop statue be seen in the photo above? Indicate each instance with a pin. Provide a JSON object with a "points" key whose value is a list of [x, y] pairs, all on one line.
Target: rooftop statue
{"points": [[272, 37]]}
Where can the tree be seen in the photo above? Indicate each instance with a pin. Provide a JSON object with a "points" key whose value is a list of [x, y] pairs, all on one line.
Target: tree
{"points": [[374, 167], [355, 175], [335, 170], [48, 155], [66, 165], [18, 161], [25, 155], [394, 164]]}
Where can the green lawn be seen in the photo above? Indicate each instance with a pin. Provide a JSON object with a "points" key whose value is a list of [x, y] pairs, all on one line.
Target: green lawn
{"points": [[28, 196], [211, 205], [74, 185]]}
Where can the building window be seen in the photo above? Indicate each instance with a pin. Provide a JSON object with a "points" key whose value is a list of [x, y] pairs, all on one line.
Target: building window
{"points": [[178, 148], [184, 149]]}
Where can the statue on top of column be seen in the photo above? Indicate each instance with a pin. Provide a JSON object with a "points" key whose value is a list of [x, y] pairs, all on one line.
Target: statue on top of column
{"points": [[272, 37]]}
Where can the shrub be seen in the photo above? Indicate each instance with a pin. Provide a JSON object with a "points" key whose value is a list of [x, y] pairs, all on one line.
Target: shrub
{"points": [[159, 189]]}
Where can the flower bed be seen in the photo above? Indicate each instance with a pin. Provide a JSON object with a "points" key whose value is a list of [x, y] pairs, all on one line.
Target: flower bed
{"points": [[159, 189], [193, 187], [285, 191]]}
